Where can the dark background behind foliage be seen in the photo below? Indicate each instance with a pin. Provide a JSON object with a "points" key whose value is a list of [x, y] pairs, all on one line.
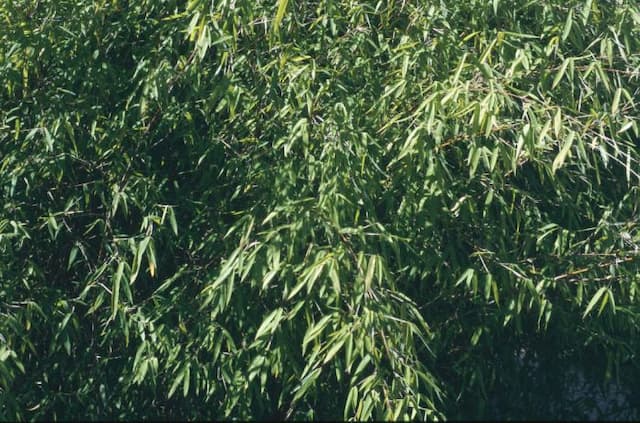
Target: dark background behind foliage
{"points": [[318, 209]]}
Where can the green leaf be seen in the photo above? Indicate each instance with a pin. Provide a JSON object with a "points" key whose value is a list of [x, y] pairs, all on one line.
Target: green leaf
{"points": [[184, 372], [186, 380], [72, 256], [115, 290], [586, 11], [315, 330], [562, 155], [466, 277], [625, 127], [306, 383], [172, 220], [309, 277], [351, 402], [485, 70], [409, 144], [616, 101], [370, 271], [270, 323], [560, 73], [487, 286], [333, 350], [474, 159], [567, 25], [282, 7], [137, 261], [557, 122], [594, 300]]}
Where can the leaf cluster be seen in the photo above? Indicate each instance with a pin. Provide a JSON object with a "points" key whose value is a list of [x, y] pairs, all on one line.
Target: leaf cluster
{"points": [[316, 209]]}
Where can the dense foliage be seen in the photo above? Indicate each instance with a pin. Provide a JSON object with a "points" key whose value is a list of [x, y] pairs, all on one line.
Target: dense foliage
{"points": [[316, 208]]}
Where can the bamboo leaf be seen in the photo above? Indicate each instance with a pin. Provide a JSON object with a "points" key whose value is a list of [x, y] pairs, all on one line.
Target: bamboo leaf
{"points": [[616, 101], [314, 331], [282, 7], [72, 256], [560, 73], [333, 350], [115, 290], [567, 25], [270, 323], [564, 151], [594, 300], [370, 270], [557, 122], [172, 220]]}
